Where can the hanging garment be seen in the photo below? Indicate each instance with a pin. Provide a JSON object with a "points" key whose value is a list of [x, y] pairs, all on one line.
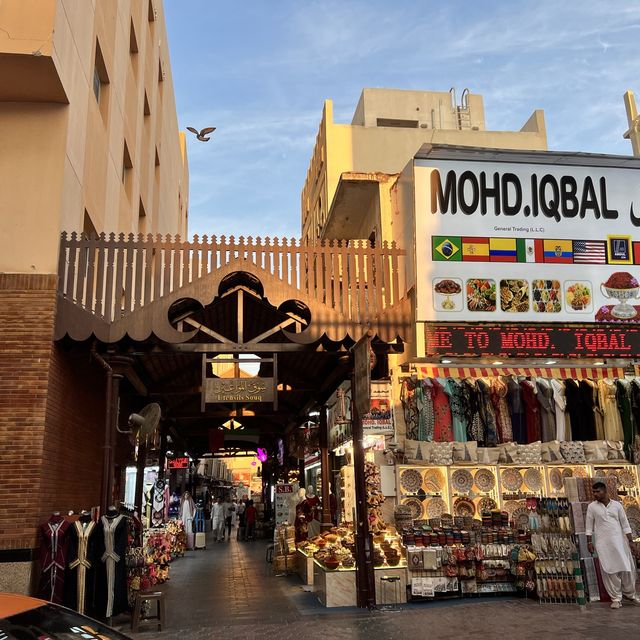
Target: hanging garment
{"points": [[499, 391], [53, 556], [574, 407], [157, 509], [607, 393], [443, 421], [635, 406], [586, 411], [79, 581], [456, 401], [111, 579], [563, 423], [623, 399], [516, 410], [426, 417], [598, 413], [487, 413], [547, 409], [532, 410], [187, 514], [475, 429], [410, 407]]}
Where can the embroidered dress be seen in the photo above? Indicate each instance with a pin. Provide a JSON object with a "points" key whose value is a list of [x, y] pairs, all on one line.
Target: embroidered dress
{"points": [[516, 410], [607, 392], [426, 415], [456, 401], [499, 391], [53, 555], [81, 568], [475, 428], [443, 427], [532, 410], [111, 580], [487, 414], [410, 407]]}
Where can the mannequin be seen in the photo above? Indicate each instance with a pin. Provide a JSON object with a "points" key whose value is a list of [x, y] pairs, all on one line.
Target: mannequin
{"points": [[187, 514], [312, 508], [111, 547], [80, 575], [53, 556], [293, 503], [333, 506], [300, 521]]}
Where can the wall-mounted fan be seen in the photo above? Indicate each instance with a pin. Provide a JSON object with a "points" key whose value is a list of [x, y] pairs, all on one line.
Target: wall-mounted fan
{"points": [[145, 423]]}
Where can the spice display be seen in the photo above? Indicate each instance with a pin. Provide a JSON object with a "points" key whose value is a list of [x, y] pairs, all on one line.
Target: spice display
{"points": [[514, 296], [546, 296]]}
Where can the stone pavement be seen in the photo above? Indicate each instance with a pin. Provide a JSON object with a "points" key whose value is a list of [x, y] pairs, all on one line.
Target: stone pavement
{"points": [[228, 591]]}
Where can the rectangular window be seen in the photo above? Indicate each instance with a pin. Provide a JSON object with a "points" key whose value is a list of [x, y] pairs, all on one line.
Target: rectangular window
{"points": [[127, 166], [142, 218], [147, 108], [101, 82], [152, 12], [395, 122]]}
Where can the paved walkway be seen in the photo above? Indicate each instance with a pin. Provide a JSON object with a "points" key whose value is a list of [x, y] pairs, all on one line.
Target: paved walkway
{"points": [[228, 591]]}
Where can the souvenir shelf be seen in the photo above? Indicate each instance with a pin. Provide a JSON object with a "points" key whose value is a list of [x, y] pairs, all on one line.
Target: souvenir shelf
{"points": [[556, 473], [347, 493], [625, 474], [517, 483], [473, 489], [424, 489]]}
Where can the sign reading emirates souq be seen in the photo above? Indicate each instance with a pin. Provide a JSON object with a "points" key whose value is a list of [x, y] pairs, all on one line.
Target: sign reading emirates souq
{"points": [[508, 242]]}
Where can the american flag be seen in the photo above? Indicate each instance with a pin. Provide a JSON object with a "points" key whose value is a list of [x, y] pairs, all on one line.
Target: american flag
{"points": [[589, 252]]}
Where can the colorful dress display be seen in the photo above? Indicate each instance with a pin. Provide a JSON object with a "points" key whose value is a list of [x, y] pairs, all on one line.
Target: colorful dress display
{"points": [[455, 392], [443, 423], [111, 579], [410, 407], [475, 429], [78, 592], [607, 392], [487, 413], [53, 558], [426, 410], [499, 392]]}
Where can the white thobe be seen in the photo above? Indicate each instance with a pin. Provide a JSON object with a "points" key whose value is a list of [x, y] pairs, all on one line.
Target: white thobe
{"points": [[219, 513], [560, 399]]}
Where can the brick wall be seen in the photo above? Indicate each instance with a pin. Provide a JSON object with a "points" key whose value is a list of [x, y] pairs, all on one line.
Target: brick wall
{"points": [[27, 308]]}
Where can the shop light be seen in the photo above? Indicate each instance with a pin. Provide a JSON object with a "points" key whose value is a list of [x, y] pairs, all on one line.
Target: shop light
{"points": [[600, 363], [445, 361], [550, 361], [496, 362]]}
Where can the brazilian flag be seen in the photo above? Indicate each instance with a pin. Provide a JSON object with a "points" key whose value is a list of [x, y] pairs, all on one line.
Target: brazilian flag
{"points": [[447, 248]]}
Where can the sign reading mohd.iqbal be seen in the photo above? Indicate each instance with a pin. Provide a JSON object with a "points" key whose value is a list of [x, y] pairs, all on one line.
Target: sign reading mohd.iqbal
{"points": [[507, 242], [239, 390]]}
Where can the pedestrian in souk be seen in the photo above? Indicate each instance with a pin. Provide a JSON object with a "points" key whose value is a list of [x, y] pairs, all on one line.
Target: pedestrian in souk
{"points": [[250, 517], [608, 531], [218, 515], [229, 512], [241, 522]]}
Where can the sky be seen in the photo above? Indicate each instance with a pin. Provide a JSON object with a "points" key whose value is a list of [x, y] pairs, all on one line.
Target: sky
{"points": [[260, 70]]}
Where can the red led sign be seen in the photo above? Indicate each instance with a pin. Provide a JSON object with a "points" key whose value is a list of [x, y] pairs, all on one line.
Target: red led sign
{"points": [[533, 340], [178, 463]]}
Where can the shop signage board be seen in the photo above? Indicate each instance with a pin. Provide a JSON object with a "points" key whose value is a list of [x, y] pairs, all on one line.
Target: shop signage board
{"points": [[283, 495], [532, 340], [516, 242], [178, 463], [362, 375], [239, 390], [379, 418]]}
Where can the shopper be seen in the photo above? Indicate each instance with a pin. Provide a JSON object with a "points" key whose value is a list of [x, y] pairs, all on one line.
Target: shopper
{"points": [[218, 519], [250, 516], [229, 511], [240, 519], [607, 520]]}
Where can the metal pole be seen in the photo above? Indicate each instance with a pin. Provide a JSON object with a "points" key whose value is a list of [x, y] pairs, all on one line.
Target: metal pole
{"points": [[326, 522], [115, 399], [106, 455], [142, 463]]}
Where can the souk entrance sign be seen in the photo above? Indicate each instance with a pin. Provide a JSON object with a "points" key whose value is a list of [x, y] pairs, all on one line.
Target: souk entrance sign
{"points": [[508, 242], [239, 390]]}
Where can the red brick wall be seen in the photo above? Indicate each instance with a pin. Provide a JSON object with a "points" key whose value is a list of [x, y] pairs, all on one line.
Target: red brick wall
{"points": [[27, 308]]}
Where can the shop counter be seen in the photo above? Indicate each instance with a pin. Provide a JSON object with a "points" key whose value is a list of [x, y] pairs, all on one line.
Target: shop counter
{"points": [[304, 567]]}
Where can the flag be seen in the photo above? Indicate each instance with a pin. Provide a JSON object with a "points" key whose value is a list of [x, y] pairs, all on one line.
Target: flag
{"points": [[589, 252], [529, 250], [475, 249], [503, 250], [636, 253], [559, 251], [447, 248]]}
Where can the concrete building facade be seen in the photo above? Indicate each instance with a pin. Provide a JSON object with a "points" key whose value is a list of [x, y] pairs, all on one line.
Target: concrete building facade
{"points": [[89, 143], [353, 168]]}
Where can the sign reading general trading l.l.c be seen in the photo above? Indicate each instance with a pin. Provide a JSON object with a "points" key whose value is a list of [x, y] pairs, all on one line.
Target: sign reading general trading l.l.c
{"points": [[499, 241]]}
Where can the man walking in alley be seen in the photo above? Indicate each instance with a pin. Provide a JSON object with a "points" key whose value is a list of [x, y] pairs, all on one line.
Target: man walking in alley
{"points": [[607, 520], [218, 516], [250, 515]]}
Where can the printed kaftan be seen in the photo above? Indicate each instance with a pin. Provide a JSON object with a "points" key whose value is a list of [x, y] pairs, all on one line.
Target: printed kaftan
{"points": [[499, 392], [456, 401]]}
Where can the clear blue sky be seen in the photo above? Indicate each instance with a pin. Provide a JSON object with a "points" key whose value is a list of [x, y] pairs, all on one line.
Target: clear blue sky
{"points": [[259, 71]]}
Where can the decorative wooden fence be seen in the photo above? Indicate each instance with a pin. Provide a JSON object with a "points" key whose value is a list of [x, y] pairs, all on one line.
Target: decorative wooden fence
{"points": [[111, 276]]}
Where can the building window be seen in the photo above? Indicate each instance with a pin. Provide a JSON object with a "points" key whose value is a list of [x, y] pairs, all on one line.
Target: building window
{"points": [[96, 84], [146, 108], [133, 48], [142, 218], [152, 15], [127, 167], [394, 122], [101, 82]]}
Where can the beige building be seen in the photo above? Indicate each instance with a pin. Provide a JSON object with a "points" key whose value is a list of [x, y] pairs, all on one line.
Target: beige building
{"points": [[348, 189], [88, 125]]}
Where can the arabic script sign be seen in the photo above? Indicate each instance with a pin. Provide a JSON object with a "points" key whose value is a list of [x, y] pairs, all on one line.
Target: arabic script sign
{"points": [[239, 390]]}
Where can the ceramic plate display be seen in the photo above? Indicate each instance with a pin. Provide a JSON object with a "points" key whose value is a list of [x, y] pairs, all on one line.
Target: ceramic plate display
{"points": [[486, 504], [411, 480], [626, 478], [567, 473], [510, 506], [521, 517], [511, 479], [579, 472], [556, 480], [433, 481], [436, 507], [462, 480], [629, 501], [416, 507], [634, 523], [599, 473], [632, 511], [464, 507], [533, 479], [485, 480]]}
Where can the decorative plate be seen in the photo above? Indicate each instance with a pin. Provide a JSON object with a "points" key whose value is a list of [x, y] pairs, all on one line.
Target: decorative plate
{"points": [[464, 507], [521, 517], [634, 523], [567, 473], [433, 481], [599, 473], [436, 507], [632, 511], [511, 479], [580, 472], [462, 480], [556, 479], [485, 480], [486, 504], [627, 478], [533, 479], [629, 501], [416, 507], [510, 506], [411, 480]]}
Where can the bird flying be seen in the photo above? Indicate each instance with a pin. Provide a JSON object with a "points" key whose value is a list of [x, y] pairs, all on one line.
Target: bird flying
{"points": [[203, 134]]}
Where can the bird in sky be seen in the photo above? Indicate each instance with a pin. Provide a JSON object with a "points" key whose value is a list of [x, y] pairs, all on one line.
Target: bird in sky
{"points": [[203, 134]]}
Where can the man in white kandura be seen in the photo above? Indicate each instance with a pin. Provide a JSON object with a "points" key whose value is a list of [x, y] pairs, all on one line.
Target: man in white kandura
{"points": [[607, 519]]}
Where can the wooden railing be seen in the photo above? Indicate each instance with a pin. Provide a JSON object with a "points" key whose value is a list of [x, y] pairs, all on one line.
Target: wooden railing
{"points": [[112, 276]]}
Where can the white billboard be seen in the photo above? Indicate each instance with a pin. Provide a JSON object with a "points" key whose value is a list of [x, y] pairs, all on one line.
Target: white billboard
{"points": [[509, 242]]}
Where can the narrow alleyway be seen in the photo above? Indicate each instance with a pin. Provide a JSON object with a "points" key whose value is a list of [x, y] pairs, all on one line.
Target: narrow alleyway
{"points": [[229, 591]]}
